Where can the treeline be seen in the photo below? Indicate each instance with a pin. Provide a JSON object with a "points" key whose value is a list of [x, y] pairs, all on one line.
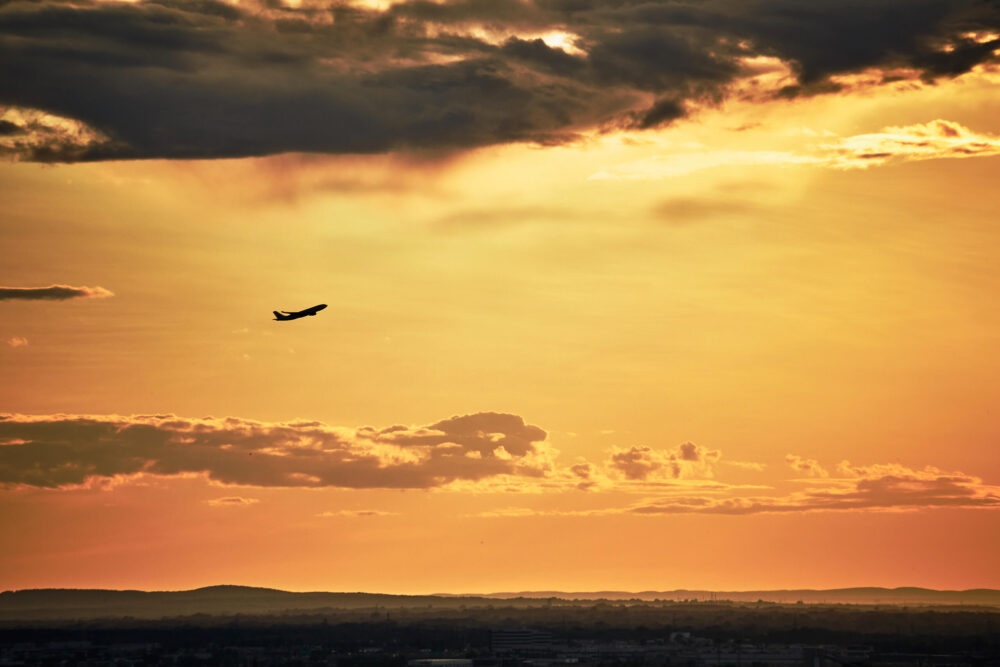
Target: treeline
{"points": [[457, 630], [38, 604]]}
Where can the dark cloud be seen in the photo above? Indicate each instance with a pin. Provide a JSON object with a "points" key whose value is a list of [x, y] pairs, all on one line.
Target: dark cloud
{"points": [[53, 293], [8, 128], [62, 450], [661, 113], [205, 79]]}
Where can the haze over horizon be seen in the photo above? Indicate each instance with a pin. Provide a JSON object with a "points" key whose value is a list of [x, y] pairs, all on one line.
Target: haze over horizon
{"points": [[645, 295]]}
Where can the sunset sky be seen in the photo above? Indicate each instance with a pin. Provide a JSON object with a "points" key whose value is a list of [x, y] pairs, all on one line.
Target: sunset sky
{"points": [[632, 295]]}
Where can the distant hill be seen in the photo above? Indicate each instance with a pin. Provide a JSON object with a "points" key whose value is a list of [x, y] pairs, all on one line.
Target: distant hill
{"points": [[59, 604], [63, 603]]}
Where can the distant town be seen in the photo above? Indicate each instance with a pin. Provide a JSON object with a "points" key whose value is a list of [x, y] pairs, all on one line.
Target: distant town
{"points": [[133, 628]]}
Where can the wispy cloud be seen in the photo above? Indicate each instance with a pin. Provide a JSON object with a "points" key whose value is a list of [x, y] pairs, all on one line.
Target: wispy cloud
{"points": [[878, 488], [17, 341], [883, 487], [680, 164], [53, 293], [808, 467], [746, 465], [233, 501], [935, 140], [356, 514]]}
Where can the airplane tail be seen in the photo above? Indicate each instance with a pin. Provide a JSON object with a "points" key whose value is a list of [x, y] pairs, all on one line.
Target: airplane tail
{"points": [[278, 316]]}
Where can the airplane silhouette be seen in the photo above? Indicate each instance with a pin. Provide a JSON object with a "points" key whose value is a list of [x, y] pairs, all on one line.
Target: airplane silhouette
{"points": [[281, 316]]}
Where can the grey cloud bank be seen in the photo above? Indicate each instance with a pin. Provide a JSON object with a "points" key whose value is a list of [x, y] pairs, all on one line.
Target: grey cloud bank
{"points": [[165, 79]]}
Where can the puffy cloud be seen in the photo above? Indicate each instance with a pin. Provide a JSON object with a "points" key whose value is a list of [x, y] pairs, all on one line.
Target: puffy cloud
{"points": [[161, 78], [17, 341], [53, 293], [584, 474], [486, 433], [646, 464], [65, 450], [807, 467]]}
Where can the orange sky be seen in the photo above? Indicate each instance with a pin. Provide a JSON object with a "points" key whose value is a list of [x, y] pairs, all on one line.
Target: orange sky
{"points": [[752, 347]]}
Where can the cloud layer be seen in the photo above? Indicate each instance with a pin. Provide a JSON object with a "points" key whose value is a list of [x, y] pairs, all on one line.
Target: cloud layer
{"points": [[485, 451], [863, 488], [935, 140], [52, 293], [880, 487], [54, 451], [99, 80]]}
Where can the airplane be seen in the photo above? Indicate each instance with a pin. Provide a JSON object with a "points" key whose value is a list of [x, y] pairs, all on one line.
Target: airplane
{"points": [[281, 316]]}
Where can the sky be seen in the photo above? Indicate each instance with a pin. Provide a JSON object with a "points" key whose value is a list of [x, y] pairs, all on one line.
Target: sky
{"points": [[633, 295]]}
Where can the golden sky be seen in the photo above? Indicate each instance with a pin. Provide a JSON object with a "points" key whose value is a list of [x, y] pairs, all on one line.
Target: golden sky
{"points": [[648, 297]]}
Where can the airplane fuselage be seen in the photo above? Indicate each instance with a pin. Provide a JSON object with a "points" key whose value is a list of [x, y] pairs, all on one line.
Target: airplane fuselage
{"points": [[284, 315]]}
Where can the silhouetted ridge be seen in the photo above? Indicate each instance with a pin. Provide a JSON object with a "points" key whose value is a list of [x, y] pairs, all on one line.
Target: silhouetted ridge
{"points": [[222, 600]]}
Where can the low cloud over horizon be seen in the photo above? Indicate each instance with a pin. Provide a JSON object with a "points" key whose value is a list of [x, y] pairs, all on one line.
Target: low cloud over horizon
{"points": [[53, 451], [53, 293], [109, 80], [485, 451], [882, 487]]}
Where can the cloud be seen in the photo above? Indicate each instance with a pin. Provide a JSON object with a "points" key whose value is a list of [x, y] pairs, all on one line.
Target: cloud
{"points": [[875, 488], [935, 140], [36, 136], [807, 467], [929, 141], [17, 341], [646, 464], [485, 433], [53, 293], [878, 488], [356, 514], [166, 79], [53, 451], [232, 501]]}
